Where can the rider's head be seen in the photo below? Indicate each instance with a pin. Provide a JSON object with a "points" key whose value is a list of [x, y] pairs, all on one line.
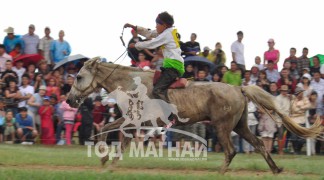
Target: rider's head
{"points": [[163, 21]]}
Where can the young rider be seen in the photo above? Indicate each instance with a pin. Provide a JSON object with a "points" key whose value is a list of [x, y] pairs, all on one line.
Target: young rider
{"points": [[173, 64]]}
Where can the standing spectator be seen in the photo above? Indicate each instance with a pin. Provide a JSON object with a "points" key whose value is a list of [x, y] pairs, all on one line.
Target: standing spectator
{"points": [[316, 67], [285, 79], [68, 116], [58, 114], [283, 101], [12, 95], [26, 90], [25, 129], [9, 126], [233, 76], [34, 102], [133, 52], [20, 70], [206, 54], [272, 54], [30, 41], [318, 85], [262, 81], [60, 48], [4, 57], [98, 117], [305, 85], [303, 61], [2, 127], [314, 112], [267, 128], [46, 111], [257, 61], [31, 73], [86, 121], [237, 49], [113, 114], [11, 40], [272, 74], [252, 123], [44, 46], [192, 47], [218, 54], [67, 86], [293, 70], [299, 106], [292, 55], [52, 88], [44, 69], [38, 81]]}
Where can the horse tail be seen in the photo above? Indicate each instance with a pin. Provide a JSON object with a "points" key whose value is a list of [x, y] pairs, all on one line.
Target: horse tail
{"points": [[266, 102]]}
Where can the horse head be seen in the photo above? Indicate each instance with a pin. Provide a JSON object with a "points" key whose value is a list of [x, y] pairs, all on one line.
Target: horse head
{"points": [[85, 82]]}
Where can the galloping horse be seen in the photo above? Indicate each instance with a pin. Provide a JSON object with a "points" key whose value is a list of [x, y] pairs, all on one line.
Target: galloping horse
{"points": [[223, 104]]}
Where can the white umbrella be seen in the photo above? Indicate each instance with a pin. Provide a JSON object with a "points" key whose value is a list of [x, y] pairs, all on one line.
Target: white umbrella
{"points": [[70, 59]]}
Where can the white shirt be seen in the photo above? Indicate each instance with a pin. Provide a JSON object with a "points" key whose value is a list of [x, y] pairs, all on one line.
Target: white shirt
{"points": [[319, 88], [322, 69], [19, 72], [238, 49], [167, 39], [24, 91]]}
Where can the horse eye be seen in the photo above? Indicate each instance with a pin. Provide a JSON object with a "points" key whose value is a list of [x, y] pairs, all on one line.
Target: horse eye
{"points": [[79, 77]]}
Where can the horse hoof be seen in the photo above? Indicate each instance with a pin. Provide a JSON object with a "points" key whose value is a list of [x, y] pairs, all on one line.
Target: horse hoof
{"points": [[277, 171], [104, 160]]}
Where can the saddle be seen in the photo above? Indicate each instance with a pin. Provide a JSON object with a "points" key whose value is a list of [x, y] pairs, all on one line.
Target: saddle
{"points": [[178, 84]]}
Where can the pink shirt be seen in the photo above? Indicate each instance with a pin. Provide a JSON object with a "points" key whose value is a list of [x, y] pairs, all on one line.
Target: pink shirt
{"points": [[272, 56], [68, 112]]}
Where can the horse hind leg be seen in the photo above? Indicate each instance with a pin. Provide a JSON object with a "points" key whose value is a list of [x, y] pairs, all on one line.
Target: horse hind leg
{"points": [[224, 137], [243, 130]]}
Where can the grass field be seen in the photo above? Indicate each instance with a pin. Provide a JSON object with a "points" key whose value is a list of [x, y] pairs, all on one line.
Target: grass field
{"points": [[61, 162]]}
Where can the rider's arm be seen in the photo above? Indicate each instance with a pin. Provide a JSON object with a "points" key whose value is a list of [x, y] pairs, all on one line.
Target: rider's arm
{"points": [[146, 32]]}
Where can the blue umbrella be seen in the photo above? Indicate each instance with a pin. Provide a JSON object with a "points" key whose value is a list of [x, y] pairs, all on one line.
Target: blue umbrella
{"points": [[199, 61], [73, 58]]}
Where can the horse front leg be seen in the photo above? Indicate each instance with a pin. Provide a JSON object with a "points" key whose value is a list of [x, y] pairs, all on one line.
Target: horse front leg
{"points": [[103, 136]]}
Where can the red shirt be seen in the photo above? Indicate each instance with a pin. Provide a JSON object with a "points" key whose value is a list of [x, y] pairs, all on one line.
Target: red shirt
{"points": [[98, 113]]}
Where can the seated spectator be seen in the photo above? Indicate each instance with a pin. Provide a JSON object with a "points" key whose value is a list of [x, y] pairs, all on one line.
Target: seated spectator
{"points": [[20, 70], [12, 95], [16, 52], [25, 128], [189, 72], [39, 81], [305, 71], [157, 61], [216, 77], [246, 81], [254, 73], [133, 52], [218, 54], [58, 78], [192, 46], [206, 54], [46, 112], [142, 61], [318, 85], [70, 70], [305, 85], [223, 70], [52, 88], [26, 90], [263, 81], [257, 62], [11, 40], [287, 65], [4, 57], [273, 89], [31, 73], [9, 74], [316, 67], [9, 126], [272, 74], [233, 76], [44, 69], [201, 76], [285, 79]]}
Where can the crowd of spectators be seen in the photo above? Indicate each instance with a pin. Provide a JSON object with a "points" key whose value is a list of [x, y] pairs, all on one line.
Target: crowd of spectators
{"points": [[33, 106]]}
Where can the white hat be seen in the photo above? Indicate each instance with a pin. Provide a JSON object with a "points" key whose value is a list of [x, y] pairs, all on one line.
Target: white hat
{"points": [[9, 30], [42, 87], [308, 76], [206, 48]]}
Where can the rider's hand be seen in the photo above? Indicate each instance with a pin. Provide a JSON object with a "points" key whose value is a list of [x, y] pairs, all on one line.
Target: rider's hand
{"points": [[127, 25], [131, 45]]}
